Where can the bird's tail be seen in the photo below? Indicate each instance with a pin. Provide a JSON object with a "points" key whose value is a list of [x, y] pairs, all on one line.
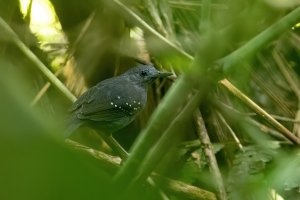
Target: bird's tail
{"points": [[73, 123]]}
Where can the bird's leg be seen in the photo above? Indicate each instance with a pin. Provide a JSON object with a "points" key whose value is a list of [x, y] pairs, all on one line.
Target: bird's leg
{"points": [[115, 146]]}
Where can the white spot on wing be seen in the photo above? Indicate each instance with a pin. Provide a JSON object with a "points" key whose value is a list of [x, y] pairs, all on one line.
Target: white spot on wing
{"points": [[119, 97]]}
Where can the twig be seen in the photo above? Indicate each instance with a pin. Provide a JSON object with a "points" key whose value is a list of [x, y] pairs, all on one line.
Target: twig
{"points": [[209, 154], [277, 117], [184, 190], [286, 73], [175, 187], [266, 129], [292, 81], [44, 89], [236, 139], [82, 33], [270, 89], [259, 111], [113, 162]]}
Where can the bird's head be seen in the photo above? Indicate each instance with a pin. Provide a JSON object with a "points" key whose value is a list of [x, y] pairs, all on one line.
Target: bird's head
{"points": [[145, 74]]}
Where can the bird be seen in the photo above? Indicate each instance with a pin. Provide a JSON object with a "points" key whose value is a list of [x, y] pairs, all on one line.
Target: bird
{"points": [[115, 102]]}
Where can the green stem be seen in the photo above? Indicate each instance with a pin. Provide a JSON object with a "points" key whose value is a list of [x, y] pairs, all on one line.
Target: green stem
{"points": [[157, 152], [155, 127], [260, 41], [205, 15], [35, 60]]}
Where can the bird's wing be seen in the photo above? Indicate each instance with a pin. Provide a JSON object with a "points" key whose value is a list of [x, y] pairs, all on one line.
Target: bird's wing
{"points": [[108, 115], [97, 105], [85, 98], [106, 110]]}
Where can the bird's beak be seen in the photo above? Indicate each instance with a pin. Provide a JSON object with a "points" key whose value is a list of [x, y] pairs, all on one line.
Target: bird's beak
{"points": [[163, 74]]}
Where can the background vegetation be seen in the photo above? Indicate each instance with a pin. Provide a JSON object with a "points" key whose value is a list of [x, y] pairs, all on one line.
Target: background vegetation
{"points": [[224, 126]]}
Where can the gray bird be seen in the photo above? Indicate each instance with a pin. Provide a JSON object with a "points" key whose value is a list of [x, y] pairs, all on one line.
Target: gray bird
{"points": [[115, 102]]}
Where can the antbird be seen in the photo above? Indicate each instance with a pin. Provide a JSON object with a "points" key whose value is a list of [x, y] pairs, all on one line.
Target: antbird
{"points": [[113, 103]]}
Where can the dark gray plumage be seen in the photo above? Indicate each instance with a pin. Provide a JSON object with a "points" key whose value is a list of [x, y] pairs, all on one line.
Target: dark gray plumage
{"points": [[113, 103]]}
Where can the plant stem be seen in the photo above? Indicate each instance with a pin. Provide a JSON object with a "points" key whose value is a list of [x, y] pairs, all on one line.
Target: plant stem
{"points": [[260, 111], [36, 61], [175, 187], [260, 41], [210, 155]]}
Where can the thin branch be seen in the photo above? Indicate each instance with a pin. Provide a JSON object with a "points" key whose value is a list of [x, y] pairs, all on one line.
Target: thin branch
{"points": [[184, 190], [175, 187], [286, 73], [210, 155], [44, 89], [235, 91], [266, 129], [112, 162], [236, 139], [270, 89], [292, 81], [249, 114], [83, 31]]}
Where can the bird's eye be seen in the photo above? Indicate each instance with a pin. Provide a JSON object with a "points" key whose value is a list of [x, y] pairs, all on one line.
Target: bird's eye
{"points": [[143, 73]]}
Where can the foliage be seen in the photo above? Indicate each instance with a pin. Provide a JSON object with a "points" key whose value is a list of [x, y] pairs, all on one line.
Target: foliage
{"points": [[208, 132]]}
